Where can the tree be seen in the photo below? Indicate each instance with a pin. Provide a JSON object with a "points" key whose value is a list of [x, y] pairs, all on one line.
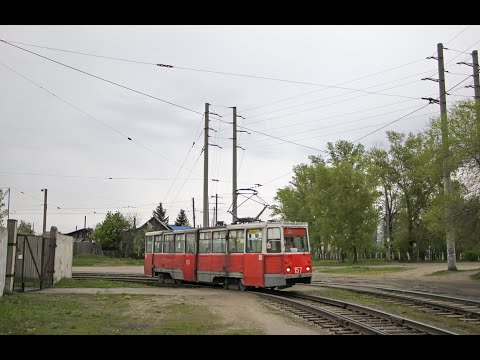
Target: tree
{"points": [[3, 213], [182, 219], [109, 232], [337, 200], [160, 213], [25, 228]]}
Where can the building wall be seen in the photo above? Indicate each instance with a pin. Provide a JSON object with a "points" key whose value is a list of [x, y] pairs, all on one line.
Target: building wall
{"points": [[3, 257], [63, 258]]}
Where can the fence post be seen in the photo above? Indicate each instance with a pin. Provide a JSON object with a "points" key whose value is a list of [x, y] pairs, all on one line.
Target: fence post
{"points": [[11, 255]]}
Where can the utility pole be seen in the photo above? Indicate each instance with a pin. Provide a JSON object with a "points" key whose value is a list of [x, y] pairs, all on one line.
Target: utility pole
{"points": [[85, 222], [44, 213], [205, 169], [447, 188], [193, 211], [44, 234], [387, 227], [476, 86], [234, 173], [8, 206]]}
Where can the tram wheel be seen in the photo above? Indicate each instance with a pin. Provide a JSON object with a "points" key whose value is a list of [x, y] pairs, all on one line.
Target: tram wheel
{"points": [[225, 284], [241, 285], [161, 278], [178, 281]]}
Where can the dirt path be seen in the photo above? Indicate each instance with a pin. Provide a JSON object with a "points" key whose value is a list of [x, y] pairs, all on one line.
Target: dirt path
{"points": [[238, 310], [417, 277], [246, 311]]}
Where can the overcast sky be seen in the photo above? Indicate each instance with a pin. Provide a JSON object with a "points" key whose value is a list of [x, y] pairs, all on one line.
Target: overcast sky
{"points": [[73, 141]]}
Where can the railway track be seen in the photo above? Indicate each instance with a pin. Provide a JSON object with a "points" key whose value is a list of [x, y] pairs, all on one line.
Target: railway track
{"points": [[338, 317], [130, 278], [344, 318], [466, 310]]}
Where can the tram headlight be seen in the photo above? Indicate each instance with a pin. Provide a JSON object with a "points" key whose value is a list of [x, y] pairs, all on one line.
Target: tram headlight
{"points": [[288, 269], [308, 268]]}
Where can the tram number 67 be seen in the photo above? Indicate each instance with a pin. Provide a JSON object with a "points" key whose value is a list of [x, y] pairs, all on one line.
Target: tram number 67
{"points": [[297, 269]]}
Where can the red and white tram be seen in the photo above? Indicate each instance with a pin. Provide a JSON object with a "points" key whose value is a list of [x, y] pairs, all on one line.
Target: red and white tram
{"points": [[258, 254]]}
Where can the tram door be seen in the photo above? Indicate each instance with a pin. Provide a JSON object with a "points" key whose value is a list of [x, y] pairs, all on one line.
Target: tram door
{"points": [[253, 274], [147, 265], [190, 258]]}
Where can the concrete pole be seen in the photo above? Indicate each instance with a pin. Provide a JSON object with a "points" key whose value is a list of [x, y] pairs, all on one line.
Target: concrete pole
{"points": [[216, 209], [234, 167], [205, 170], [11, 255], [447, 188], [85, 222]]}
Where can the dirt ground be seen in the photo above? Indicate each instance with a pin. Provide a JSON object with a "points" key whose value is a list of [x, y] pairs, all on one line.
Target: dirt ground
{"points": [[237, 307]]}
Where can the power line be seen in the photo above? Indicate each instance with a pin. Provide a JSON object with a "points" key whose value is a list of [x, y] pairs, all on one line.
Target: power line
{"points": [[89, 115], [352, 121], [343, 83], [190, 69], [100, 78], [93, 177], [460, 33], [340, 132], [334, 96], [394, 121]]}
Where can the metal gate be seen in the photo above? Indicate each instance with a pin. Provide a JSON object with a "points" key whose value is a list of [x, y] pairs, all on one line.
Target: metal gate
{"points": [[34, 263]]}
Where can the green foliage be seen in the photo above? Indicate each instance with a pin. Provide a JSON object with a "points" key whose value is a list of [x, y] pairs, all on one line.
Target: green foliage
{"points": [[337, 200], [161, 213], [471, 255], [25, 228], [109, 232], [100, 260], [182, 219]]}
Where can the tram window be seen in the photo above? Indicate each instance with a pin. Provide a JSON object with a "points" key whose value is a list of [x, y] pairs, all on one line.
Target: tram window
{"points": [[236, 241], [274, 242], [205, 243], [219, 242], [180, 244], [296, 240], [168, 245], [254, 241], [148, 244], [190, 246], [157, 247]]}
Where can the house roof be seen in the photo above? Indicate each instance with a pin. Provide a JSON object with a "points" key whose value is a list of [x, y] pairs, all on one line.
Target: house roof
{"points": [[175, 227], [79, 231]]}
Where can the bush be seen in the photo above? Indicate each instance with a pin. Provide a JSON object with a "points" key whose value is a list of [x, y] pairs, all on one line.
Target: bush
{"points": [[471, 255]]}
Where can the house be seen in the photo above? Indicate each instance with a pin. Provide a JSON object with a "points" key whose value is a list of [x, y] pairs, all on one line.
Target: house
{"points": [[82, 235]]}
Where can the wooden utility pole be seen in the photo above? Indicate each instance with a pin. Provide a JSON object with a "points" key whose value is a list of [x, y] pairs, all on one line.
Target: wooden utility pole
{"points": [[447, 188], [44, 235], [193, 211], [476, 87], [234, 167], [205, 169]]}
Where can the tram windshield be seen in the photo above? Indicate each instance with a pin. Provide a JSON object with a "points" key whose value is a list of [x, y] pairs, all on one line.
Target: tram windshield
{"points": [[295, 240]]}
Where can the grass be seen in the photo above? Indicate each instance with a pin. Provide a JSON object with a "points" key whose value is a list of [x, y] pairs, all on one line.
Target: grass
{"points": [[349, 263], [40, 313], [100, 260], [450, 324], [74, 283], [448, 272], [475, 276], [363, 270]]}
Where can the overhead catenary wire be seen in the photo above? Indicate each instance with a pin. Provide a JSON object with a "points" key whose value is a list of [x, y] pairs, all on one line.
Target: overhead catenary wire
{"points": [[89, 115], [103, 79], [391, 122]]}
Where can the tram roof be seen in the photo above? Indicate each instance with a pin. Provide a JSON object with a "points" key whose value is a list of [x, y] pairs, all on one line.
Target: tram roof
{"points": [[249, 225]]}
